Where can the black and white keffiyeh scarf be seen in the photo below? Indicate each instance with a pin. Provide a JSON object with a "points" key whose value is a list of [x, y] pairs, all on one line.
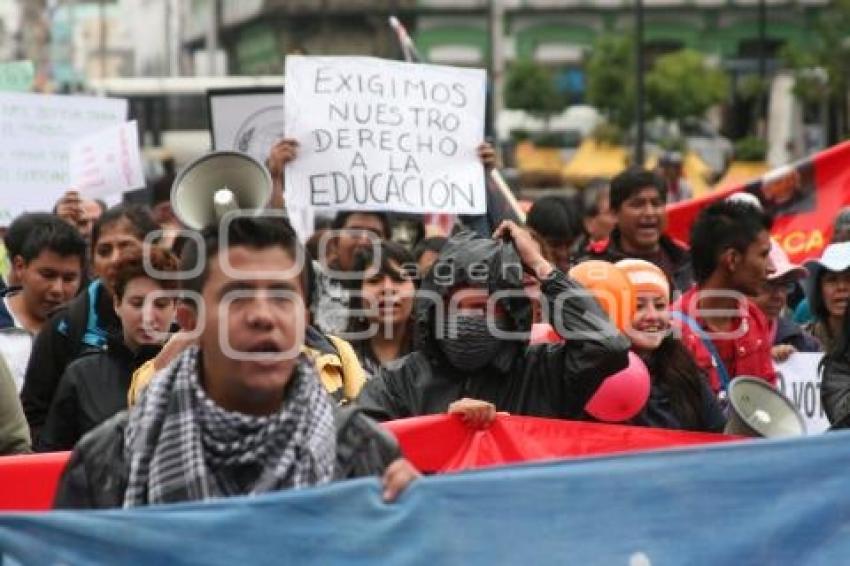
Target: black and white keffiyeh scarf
{"points": [[181, 446]]}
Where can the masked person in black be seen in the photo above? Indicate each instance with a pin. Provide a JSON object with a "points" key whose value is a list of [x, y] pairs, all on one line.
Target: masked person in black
{"points": [[462, 352]]}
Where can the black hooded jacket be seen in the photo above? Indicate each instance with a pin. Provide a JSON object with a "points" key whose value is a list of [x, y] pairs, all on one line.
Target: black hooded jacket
{"points": [[88, 322], [547, 380], [91, 390]]}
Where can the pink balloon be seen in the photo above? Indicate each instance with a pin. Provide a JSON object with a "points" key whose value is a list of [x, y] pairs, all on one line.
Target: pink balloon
{"points": [[623, 394]]}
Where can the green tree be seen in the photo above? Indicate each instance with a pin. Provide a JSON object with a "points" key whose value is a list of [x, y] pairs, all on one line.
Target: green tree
{"points": [[682, 85], [610, 79], [531, 87], [822, 70]]}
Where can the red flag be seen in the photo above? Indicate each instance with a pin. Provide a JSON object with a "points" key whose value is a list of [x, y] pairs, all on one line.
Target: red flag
{"points": [[442, 443], [804, 199]]}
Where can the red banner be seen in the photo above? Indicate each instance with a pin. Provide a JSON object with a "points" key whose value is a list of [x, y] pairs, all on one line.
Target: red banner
{"points": [[804, 199], [442, 443]]}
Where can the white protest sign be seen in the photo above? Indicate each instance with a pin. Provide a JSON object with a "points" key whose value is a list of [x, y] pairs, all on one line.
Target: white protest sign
{"points": [[384, 135], [800, 382], [107, 162], [36, 132], [247, 120]]}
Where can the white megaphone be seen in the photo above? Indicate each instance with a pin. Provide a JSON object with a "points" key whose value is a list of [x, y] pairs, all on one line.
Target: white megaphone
{"points": [[216, 183], [757, 409]]}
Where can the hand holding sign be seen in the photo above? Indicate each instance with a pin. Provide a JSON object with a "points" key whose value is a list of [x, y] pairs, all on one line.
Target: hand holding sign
{"points": [[70, 207], [799, 381], [280, 154], [781, 352], [487, 155]]}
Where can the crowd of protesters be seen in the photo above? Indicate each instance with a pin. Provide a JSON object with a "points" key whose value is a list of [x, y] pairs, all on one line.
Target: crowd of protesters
{"points": [[173, 389]]}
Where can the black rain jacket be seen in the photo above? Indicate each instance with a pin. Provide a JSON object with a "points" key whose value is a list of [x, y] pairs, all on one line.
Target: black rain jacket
{"points": [[92, 389], [835, 390], [88, 322], [546, 380], [97, 473]]}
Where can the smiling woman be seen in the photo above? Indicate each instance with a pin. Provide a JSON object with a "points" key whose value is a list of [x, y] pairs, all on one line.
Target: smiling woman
{"points": [[679, 395]]}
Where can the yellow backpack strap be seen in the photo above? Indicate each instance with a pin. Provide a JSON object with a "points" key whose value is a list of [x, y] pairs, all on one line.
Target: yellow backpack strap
{"points": [[329, 370], [141, 377], [353, 376]]}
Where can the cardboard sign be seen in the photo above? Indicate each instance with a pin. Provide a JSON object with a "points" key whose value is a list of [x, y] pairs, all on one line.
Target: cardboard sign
{"points": [[16, 76], [384, 135], [799, 381], [37, 132], [246, 120], [107, 162]]}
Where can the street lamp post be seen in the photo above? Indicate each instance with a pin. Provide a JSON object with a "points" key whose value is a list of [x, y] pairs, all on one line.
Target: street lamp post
{"points": [[762, 23], [497, 60], [639, 138]]}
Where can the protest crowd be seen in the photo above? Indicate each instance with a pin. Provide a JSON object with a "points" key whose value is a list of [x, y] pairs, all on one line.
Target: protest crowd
{"points": [[258, 351]]}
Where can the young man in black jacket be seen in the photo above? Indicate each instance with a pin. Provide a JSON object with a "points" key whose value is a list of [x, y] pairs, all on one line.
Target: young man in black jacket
{"points": [[241, 412], [48, 260], [638, 199], [461, 352]]}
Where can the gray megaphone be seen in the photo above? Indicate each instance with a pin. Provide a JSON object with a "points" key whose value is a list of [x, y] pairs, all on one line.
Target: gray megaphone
{"points": [[216, 183], [757, 409]]}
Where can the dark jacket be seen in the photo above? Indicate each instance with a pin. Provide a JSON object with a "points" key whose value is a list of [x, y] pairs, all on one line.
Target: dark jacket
{"points": [[97, 472], [658, 413], [87, 322], [677, 265], [791, 333], [835, 390], [92, 389], [6, 319], [541, 380]]}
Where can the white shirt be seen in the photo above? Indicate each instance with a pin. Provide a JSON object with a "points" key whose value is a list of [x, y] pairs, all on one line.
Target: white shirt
{"points": [[15, 347]]}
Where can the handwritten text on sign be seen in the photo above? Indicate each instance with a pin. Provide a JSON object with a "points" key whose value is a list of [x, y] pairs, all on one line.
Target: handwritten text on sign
{"points": [[40, 129], [800, 382], [107, 162], [384, 135]]}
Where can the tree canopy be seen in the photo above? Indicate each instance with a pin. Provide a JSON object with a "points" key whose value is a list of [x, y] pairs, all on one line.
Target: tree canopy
{"points": [[682, 85], [610, 78], [530, 87]]}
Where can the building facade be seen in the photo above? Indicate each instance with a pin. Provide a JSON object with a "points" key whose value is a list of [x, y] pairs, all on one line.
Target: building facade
{"points": [[257, 34], [88, 40], [9, 29]]}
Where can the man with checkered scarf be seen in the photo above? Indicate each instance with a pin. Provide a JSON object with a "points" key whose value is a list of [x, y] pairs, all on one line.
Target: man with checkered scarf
{"points": [[242, 411]]}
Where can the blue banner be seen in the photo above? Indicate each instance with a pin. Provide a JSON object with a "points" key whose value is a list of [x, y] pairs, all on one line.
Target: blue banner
{"points": [[750, 502]]}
